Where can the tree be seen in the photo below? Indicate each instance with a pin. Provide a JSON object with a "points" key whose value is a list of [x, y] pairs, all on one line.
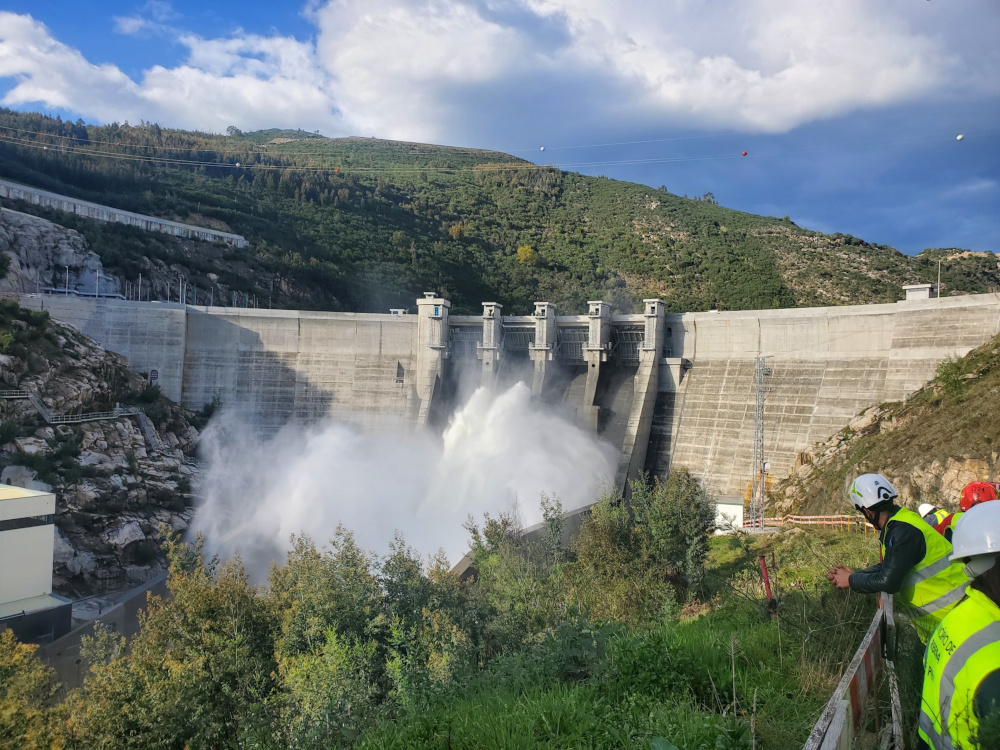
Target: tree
{"points": [[526, 255], [26, 687], [199, 668]]}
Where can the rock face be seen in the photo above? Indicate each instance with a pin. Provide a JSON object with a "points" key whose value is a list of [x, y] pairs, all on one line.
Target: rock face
{"points": [[40, 253], [114, 491]]}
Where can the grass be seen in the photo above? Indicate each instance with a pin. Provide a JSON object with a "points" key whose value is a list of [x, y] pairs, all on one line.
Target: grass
{"points": [[698, 677]]}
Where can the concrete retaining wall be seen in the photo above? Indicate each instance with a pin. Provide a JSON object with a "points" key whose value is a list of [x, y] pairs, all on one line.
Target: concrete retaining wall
{"points": [[828, 364], [284, 365], [99, 212], [152, 335]]}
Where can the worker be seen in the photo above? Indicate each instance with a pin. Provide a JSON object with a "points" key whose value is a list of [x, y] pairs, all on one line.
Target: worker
{"points": [[931, 514], [914, 564], [962, 661], [972, 494]]}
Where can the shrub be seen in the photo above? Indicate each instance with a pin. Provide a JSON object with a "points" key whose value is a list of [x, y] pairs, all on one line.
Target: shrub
{"points": [[679, 516]]}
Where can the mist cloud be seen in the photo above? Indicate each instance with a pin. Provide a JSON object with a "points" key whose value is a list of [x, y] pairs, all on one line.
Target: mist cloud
{"points": [[497, 449]]}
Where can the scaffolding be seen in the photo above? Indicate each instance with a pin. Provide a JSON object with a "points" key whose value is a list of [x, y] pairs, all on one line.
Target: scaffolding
{"points": [[761, 390]]}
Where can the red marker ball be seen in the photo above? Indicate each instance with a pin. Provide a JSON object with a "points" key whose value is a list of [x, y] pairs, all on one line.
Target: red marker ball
{"points": [[744, 153], [336, 171]]}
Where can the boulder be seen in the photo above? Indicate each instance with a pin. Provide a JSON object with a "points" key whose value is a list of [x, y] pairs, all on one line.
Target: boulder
{"points": [[62, 551], [864, 420], [82, 564], [22, 476], [31, 446], [125, 535]]}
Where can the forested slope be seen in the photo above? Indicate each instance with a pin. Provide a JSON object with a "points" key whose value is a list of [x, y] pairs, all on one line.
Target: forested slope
{"points": [[364, 224]]}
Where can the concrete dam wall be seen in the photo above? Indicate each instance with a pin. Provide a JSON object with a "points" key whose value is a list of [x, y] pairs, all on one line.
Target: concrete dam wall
{"points": [[665, 390]]}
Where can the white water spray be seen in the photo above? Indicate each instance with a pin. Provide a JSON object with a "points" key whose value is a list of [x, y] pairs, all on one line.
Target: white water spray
{"points": [[497, 450]]}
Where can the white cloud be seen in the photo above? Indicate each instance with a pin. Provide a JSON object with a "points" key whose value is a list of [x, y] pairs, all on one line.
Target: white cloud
{"points": [[469, 70], [974, 187], [250, 81], [131, 25]]}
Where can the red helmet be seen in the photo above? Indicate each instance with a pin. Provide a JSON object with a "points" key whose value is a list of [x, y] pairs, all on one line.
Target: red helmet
{"points": [[977, 492]]}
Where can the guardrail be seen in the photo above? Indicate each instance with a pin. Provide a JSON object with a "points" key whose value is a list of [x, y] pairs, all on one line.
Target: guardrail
{"points": [[94, 416], [844, 712], [842, 522]]}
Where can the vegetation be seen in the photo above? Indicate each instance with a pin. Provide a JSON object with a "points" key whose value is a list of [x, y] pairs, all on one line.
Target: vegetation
{"points": [[364, 224], [545, 647]]}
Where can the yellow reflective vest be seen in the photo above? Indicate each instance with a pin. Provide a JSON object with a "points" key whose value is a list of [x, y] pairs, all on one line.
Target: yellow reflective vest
{"points": [[938, 516], [935, 585], [963, 651]]}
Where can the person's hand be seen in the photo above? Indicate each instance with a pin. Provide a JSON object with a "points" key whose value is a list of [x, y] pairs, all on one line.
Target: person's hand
{"points": [[840, 576]]}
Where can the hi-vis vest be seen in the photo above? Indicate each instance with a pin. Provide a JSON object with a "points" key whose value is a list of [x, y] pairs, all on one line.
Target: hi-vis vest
{"points": [[963, 651], [935, 585], [937, 517], [947, 526]]}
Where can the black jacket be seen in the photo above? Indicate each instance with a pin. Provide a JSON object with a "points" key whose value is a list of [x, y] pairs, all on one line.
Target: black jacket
{"points": [[904, 548]]}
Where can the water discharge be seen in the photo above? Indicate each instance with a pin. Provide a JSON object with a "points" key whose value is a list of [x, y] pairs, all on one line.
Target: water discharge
{"points": [[498, 449]]}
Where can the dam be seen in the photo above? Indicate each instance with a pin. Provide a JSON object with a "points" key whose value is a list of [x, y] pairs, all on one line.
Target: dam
{"points": [[666, 390]]}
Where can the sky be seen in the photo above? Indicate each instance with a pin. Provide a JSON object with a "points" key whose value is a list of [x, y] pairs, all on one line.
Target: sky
{"points": [[848, 110]]}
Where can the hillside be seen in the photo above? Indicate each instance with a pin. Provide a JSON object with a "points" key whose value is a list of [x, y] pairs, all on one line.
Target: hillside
{"points": [[365, 224], [945, 435], [113, 486]]}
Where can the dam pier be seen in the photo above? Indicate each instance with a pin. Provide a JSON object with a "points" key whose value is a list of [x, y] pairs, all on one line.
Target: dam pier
{"points": [[664, 389]]}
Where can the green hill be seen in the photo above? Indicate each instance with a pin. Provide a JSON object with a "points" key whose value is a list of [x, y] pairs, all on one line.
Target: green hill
{"points": [[366, 224]]}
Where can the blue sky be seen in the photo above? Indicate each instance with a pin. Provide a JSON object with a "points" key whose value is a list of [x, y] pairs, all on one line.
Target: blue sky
{"points": [[848, 110]]}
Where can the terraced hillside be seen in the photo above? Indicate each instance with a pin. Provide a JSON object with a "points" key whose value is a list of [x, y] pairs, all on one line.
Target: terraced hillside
{"points": [[363, 224]]}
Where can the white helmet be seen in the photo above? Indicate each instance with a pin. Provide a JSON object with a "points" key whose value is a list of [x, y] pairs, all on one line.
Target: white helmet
{"points": [[924, 508], [977, 535], [869, 490]]}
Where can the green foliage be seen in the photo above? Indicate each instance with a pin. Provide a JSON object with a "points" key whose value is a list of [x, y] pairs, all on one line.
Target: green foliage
{"points": [[364, 224], [26, 687], [677, 515], [198, 663], [949, 376], [346, 649], [330, 692]]}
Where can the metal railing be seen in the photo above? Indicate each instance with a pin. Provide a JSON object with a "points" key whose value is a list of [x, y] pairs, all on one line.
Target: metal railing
{"points": [[50, 418], [842, 719], [840, 522]]}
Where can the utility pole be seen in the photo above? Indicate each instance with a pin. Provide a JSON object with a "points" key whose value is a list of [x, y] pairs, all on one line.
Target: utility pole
{"points": [[97, 285], [938, 290], [139, 296], [67, 281], [761, 391]]}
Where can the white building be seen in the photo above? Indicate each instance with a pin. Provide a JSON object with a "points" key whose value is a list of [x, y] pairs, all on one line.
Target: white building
{"points": [[27, 536]]}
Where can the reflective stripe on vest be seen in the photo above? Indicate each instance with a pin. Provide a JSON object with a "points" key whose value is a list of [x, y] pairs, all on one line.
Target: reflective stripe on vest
{"points": [[948, 720], [935, 584]]}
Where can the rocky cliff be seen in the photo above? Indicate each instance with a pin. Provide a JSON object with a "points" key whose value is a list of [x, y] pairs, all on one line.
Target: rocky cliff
{"points": [[115, 482], [42, 254]]}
